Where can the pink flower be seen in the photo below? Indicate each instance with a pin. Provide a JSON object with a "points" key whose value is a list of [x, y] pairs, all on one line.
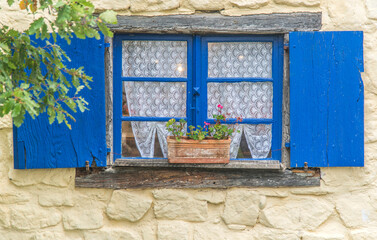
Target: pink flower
{"points": [[219, 106], [206, 124]]}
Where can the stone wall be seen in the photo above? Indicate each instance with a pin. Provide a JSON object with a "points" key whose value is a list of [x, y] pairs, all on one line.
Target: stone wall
{"points": [[44, 204]]}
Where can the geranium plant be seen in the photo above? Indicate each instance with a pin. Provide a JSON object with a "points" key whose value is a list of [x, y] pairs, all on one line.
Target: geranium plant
{"points": [[219, 130]]}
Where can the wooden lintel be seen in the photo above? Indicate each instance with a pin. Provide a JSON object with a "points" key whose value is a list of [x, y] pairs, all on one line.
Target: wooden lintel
{"points": [[142, 177], [217, 23]]}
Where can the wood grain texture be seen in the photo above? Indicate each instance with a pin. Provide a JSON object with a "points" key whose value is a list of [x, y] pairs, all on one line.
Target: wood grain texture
{"points": [[233, 164], [285, 153], [109, 97], [217, 23], [41, 145], [326, 99], [131, 177]]}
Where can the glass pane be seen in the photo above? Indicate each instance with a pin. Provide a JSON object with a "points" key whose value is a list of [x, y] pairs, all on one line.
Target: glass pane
{"points": [[246, 99], [240, 60], [167, 59], [154, 99], [144, 139], [251, 141]]}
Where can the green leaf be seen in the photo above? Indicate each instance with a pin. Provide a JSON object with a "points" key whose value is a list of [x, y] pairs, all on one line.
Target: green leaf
{"points": [[37, 24], [16, 110], [10, 2], [81, 105], [24, 85], [109, 16]]}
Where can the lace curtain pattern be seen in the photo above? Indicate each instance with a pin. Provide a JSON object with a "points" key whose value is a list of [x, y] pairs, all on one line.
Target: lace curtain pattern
{"points": [[154, 99], [246, 99], [167, 59], [258, 138], [240, 60]]}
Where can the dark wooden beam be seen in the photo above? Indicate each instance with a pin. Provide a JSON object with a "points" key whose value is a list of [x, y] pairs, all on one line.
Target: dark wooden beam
{"points": [[217, 23], [256, 164], [142, 177]]}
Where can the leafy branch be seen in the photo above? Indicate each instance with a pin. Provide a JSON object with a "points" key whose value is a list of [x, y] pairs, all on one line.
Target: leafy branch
{"points": [[35, 79]]}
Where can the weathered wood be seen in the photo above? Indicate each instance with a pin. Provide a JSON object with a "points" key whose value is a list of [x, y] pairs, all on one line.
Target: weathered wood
{"points": [[217, 23], [109, 96], [194, 151], [234, 164], [285, 157], [130, 177]]}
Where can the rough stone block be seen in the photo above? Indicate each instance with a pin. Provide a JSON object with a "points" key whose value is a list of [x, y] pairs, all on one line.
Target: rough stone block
{"points": [[111, 5], [111, 234], [153, 5], [298, 3], [303, 213], [264, 233], [364, 233], [6, 122], [209, 232], [4, 217], [323, 236], [170, 194], [173, 230], [127, 206], [316, 191], [211, 196], [208, 5], [189, 210], [61, 177], [249, 3], [355, 210], [14, 197], [25, 217], [371, 8], [56, 199], [48, 236], [82, 219], [241, 207]]}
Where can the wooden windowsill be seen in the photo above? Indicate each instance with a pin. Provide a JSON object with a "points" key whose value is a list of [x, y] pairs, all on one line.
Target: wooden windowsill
{"points": [[234, 164]]}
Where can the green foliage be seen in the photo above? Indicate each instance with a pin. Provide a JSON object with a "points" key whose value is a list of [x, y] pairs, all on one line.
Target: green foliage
{"points": [[197, 134], [219, 130], [24, 87], [176, 128]]}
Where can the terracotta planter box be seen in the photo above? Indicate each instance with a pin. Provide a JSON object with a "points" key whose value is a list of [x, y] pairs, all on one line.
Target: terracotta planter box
{"points": [[194, 151]]}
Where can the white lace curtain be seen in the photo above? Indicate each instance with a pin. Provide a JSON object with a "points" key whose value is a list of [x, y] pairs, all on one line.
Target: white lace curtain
{"points": [[154, 99]]}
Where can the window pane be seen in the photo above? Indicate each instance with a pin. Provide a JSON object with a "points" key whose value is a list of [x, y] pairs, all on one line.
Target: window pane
{"points": [[246, 99], [251, 141], [154, 99], [240, 60], [167, 59]]}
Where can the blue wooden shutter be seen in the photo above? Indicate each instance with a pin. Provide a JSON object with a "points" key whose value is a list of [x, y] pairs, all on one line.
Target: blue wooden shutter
{"points": [[37, 144], [326, 99]]}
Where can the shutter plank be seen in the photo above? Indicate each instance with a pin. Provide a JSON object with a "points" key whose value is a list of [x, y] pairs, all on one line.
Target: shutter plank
{"points": [[55, 146], [327, 121]]}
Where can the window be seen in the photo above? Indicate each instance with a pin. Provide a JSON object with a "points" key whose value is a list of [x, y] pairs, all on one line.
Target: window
{"points": [[158, 77], [326, 99]]}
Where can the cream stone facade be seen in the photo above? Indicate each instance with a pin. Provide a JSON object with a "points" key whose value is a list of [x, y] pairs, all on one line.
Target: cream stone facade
{"points": [[45, 204]]}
